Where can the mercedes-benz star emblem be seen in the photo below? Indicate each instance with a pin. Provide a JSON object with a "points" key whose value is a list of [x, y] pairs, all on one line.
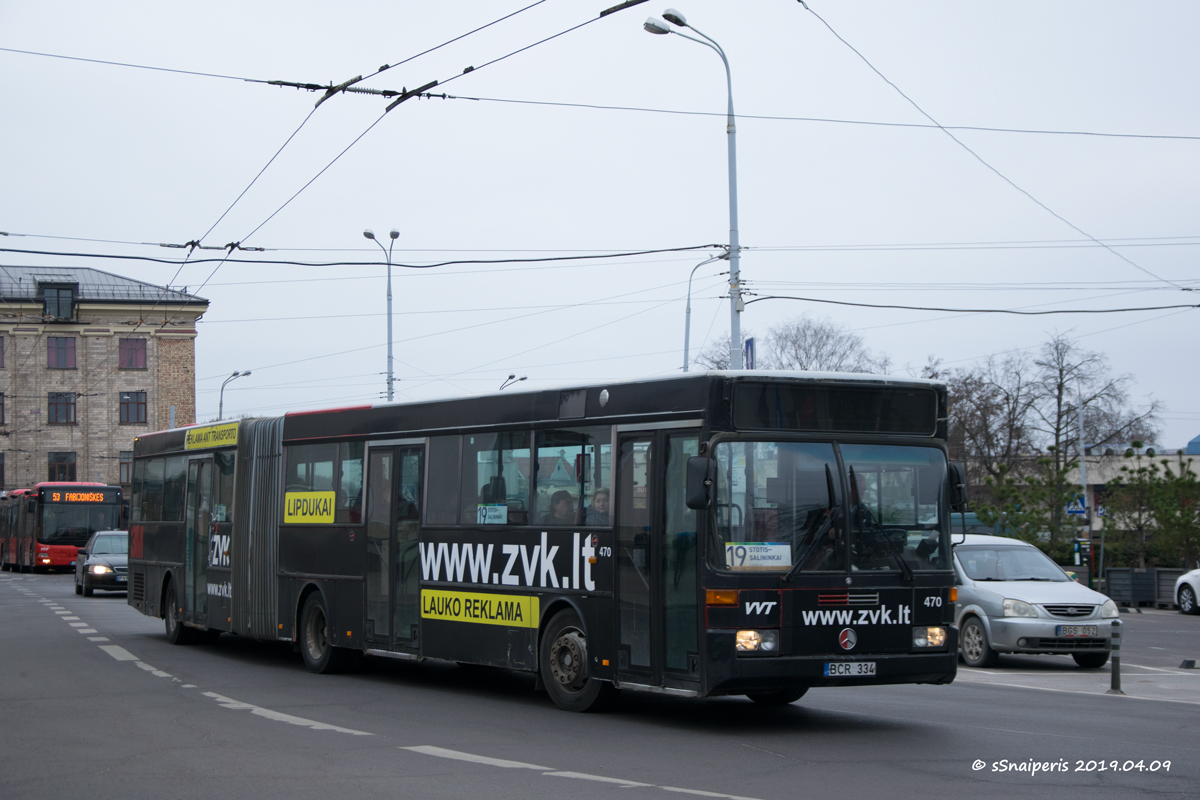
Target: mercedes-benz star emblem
{"points": [[847, 638]]}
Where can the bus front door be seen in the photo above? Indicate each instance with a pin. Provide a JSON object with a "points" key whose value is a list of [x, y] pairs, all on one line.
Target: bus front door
{"points": [[198, 525], [392, 573], [656, 541]]}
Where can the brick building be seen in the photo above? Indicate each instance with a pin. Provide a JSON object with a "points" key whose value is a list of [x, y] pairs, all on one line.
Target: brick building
{"points": [[88, 361]]}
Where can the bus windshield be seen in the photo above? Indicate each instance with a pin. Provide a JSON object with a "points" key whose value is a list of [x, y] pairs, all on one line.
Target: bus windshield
{"points": [[75, 524], [797, 507]]}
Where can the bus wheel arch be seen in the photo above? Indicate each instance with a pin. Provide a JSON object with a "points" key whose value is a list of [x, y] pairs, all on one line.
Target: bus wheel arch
{"points": [[563, 662]]}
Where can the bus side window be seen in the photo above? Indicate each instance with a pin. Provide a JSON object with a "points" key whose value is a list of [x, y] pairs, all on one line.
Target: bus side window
{"points": [[495, 478], [350, 483], [152, 491], [442, 481], [135, 491], [174, 488]]}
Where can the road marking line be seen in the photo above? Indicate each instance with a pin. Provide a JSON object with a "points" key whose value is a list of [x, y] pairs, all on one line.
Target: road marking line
{"points": [[87, 630], [1160, 669], [77, 624], [188, 686], [457, 755], [704, 794], [278, 716], [70, 619], [118, 652], [583, 776], [1097, 693], [96, 638], [442, 752], [153, 670]]}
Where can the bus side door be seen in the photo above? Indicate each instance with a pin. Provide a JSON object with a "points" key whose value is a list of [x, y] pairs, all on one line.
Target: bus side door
{"points": [[198, 517], [392, 570], [658, 622]]}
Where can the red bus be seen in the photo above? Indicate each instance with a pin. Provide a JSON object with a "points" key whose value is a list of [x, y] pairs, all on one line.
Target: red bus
{"points": [[43, 527]]}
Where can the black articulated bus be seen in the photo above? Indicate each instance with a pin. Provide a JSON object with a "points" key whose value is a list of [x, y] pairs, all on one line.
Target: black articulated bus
{"points": [[755, 533]]}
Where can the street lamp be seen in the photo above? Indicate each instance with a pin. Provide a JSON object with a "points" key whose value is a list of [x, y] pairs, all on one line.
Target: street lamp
{"points": [[510, 380], [221, 405], [736, 305], [394, 234], [687, 317]]}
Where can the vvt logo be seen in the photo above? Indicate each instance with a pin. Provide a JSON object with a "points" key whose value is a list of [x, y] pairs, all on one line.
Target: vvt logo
{"points": [[763, 607]]}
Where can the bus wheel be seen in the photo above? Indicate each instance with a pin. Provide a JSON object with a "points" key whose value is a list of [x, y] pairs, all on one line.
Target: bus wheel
{"points": [[177, 632], [319, 655], [564, 666], [783, 697]]}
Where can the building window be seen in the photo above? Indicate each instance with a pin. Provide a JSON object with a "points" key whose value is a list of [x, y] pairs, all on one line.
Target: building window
{"points": [[1, 408], [60, 352], [126, 467], [133, 407], [62, 466], [2, 483], [132, 353], [60, 302], [1, 352], [61, 408]]}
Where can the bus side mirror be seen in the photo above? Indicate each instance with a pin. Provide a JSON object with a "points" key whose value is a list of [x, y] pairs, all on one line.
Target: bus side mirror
{"points": [[956, 477], [31, 505], [701, 477]]}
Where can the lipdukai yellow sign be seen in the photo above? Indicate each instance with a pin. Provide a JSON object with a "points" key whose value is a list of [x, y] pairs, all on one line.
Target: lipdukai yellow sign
{"points": [[308, 508], [509, 610], [211, 436]]}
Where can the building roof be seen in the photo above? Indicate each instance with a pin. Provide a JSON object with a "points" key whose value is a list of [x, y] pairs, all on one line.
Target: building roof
{"points": [[95, 286]]}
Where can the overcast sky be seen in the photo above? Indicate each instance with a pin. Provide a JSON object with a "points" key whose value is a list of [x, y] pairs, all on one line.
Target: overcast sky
{"points": [[589, 163]]}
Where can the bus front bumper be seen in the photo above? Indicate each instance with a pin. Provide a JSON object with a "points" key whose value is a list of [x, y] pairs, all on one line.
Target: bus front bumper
{"points": [[731, 673]]}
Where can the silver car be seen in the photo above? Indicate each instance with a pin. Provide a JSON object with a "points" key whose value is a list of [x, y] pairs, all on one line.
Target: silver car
{"points": [[1013, 599]]}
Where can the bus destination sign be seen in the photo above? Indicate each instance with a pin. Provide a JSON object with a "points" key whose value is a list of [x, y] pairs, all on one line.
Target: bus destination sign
{"points": [[77, 496]]}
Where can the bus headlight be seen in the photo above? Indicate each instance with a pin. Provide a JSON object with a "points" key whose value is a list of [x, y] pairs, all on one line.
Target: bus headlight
{"points": [[934, 636], [757, 641], [100, 569]]}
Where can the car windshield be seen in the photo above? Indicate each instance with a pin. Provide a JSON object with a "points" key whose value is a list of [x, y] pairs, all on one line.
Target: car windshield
{"points": [[110, 546], [785, 505], [999, 563]]}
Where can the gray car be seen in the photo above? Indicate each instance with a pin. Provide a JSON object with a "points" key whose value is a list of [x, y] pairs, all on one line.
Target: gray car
{"points": [[103, 563], [1013, 599]]}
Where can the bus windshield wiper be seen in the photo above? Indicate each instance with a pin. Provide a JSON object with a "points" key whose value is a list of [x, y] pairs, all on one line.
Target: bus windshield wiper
{"points": [[822, 530]]}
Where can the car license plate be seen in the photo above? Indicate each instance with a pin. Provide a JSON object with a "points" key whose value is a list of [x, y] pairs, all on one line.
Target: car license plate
{"points": [[72, 563], [839, 669], [120, 579], [1077, 630]]}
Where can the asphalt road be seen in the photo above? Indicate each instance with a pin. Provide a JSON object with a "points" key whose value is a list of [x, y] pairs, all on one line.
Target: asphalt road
{"points": [[97, 704]]}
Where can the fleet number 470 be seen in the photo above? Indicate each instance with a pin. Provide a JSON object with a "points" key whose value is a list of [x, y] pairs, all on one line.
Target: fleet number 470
{"points": [[934, 601]]}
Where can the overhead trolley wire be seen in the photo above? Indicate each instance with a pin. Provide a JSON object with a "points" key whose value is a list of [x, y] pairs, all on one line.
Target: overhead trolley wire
{"points": [[976, 310], [982, 161]]}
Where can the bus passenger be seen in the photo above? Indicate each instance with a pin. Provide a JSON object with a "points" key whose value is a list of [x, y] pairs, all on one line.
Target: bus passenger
{"points": [[562, 509], [597, 513]]}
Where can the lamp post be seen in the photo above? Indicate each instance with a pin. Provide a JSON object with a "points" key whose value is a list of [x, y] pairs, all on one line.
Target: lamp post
{"points": [[657, 26], [221, 405], [394, 234], [510, 380], [687, 317]]}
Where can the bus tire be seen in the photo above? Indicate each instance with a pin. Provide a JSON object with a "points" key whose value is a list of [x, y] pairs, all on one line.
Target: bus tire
{"points": [[563, 663], [783, 697], [177, 632], [319, 655]]}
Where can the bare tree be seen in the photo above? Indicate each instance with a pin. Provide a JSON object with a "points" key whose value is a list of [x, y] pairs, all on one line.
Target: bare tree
{"points": [[989, 408], [820, 345]]}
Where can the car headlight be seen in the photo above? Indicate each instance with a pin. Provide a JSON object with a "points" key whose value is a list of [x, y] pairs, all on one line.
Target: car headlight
{"points": [[1109, 610], [757, 641], [1019, 608], [929, 637], [99, 569]]}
